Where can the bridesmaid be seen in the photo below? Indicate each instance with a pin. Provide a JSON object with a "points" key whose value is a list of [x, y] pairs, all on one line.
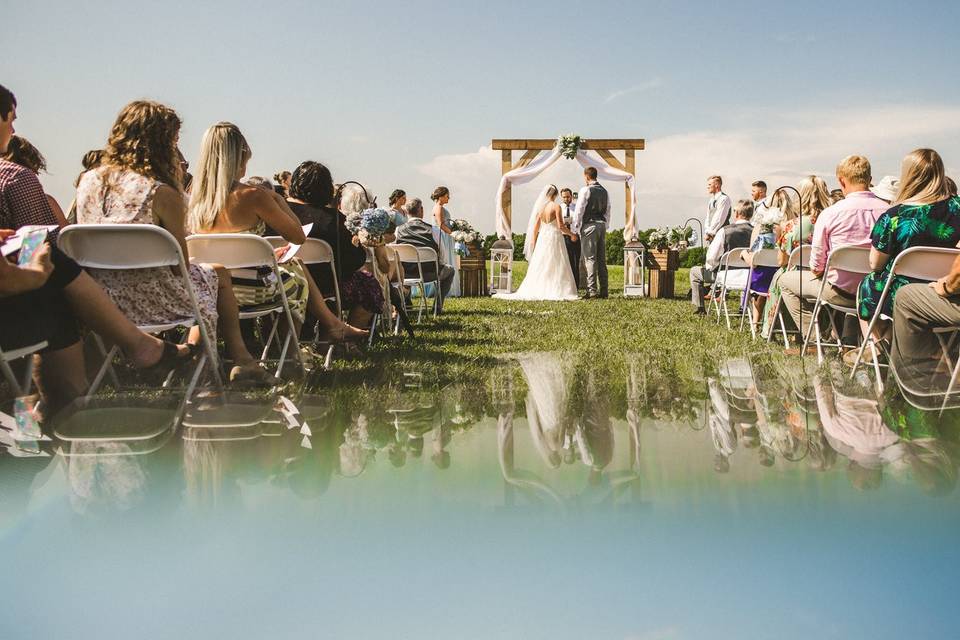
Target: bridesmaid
{"points": [[443, 220]]}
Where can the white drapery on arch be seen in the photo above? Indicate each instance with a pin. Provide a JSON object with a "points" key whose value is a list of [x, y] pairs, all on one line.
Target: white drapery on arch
{"points": [[523, 175]]}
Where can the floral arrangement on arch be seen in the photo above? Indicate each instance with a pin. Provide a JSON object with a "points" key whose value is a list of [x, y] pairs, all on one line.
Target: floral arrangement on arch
{"points": [[463, 232], [569, 145], [369, 226]]}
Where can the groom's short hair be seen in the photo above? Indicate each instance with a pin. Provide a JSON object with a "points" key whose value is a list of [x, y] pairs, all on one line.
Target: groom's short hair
{"points": [[590, 172]]}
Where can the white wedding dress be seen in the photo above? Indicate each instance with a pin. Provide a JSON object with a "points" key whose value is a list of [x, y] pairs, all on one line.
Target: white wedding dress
{"points": [[548, 274]]}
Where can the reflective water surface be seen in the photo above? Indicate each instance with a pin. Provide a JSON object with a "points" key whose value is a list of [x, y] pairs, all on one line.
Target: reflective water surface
{"points": [[544, 497]]}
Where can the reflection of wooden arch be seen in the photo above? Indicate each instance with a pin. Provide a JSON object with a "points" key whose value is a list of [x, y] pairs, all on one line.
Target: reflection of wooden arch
{"points": [[532, 147]]}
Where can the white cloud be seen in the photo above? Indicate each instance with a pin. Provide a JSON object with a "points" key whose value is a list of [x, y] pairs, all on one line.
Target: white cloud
{"points": [[644, 86], [672, 171]]}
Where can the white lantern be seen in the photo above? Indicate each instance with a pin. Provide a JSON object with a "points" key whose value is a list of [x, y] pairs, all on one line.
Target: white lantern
{"points": [[501, 267], [635, 283]]}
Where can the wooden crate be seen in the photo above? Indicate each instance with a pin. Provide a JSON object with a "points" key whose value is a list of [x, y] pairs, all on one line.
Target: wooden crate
{"points": [[473, 273], [661, 283], [666, 260]]}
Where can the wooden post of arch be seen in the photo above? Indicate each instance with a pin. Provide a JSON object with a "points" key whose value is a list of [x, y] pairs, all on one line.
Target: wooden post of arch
{"points": [[532, 147]]}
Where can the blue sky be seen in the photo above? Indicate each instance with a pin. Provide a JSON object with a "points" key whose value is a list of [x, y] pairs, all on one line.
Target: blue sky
{"points": [[410, 94]]}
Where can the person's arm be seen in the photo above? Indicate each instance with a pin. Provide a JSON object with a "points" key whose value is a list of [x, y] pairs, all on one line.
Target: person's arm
{"points": [[949, 285], [170, 212], [715, 251], [57, 211], [878, 259], [15, 279], [536, 233], [274, 210], [577, 221], [438, 217], [820, 248]]}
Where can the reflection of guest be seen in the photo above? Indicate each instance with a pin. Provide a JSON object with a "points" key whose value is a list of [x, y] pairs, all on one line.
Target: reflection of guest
{"points": [[854, 428], [721, 428]]}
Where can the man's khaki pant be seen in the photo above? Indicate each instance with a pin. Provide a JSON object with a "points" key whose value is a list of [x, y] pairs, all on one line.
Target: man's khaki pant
{"points": [[799, 291]]}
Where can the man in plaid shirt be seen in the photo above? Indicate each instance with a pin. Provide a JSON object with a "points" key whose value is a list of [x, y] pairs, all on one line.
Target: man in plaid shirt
{"points": [[22, 201]]}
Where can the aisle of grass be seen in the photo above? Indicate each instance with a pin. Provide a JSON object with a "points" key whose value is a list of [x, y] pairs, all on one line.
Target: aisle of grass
{"points": [[474, 332]]}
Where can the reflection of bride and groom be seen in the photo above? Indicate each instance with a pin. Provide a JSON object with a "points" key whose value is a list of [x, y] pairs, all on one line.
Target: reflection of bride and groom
{"points": [[569, 420], [552, 272]]}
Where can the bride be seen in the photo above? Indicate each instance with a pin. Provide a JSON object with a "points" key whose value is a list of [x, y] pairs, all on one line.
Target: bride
{"points": [[548, 274]]}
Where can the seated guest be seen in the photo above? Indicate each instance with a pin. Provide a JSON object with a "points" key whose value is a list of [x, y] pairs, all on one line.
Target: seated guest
{"points": [[91, 160], [260, 181], [796, 230], [924, 215], [220, 203], [836, 196], [44, 301], [767, 227], [138, 182], [735, 235], [282, 180], [951, 185], [311, 196], [887, 188], [918, 310], [419, 233], [844, 223], [398, 199], [21, 152]]}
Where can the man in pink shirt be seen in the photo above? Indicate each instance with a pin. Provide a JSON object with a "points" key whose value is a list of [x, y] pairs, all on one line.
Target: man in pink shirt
{"points": [[849, 221]]}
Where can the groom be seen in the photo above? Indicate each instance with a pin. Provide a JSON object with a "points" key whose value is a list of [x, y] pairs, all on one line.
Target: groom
{"points": [[590, 222]]}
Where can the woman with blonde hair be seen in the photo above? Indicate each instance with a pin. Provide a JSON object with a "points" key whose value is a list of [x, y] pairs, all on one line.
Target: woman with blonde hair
{"points": [[766, 229], [220, 203], [924, 214], [139, 182]]}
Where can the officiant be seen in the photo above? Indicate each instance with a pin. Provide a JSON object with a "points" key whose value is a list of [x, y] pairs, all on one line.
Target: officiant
{"points": [[568, 208]]}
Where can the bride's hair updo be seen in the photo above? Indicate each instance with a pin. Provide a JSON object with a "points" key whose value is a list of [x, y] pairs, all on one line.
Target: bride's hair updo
{"points": [[552, 191]]}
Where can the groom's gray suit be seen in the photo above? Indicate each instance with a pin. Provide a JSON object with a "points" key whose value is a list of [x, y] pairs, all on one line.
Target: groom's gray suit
{"points": [[590, 222]]}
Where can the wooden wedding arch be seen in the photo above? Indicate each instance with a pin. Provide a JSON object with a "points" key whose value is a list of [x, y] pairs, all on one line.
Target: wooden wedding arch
{"points": [[532, 147]]}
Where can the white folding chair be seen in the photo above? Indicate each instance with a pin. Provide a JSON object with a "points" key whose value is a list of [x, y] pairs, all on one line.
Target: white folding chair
{"points": [[126, 247], [408, 254], [248, 251], [731, 262], [799, 259], [768, 258], [849, 258], [6, 357], [429, 256], [918, 263]]}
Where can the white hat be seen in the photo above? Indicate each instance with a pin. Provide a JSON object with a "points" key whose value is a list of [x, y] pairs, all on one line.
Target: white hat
{"points": [[887, 189]]}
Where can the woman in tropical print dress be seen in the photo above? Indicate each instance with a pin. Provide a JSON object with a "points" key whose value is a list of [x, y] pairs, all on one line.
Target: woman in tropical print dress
{"points": [[925, 214]]}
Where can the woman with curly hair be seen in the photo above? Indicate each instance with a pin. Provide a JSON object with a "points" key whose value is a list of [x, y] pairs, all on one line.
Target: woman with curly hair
{"points": [[139, 182]]}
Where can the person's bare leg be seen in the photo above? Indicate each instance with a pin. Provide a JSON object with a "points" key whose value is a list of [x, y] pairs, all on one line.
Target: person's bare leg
{"points": [[94, 308], [333, 327], [228, 323], [61, 377]]}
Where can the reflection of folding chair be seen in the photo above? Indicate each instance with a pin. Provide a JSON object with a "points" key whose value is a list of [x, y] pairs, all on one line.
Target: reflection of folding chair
{"points": [[6, 357], [765, 258], [918, 263], [731, 264], [850, 258], [101, 421], [127, 247], [799, 259], [226, 423], [247, 251]]}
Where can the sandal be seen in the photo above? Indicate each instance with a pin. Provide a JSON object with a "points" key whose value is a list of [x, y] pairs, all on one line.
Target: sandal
{"points": [[171, 357], [256, 375]]}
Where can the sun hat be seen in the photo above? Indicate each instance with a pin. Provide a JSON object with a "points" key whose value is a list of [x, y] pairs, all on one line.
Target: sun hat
{"points": [[887, 188]]}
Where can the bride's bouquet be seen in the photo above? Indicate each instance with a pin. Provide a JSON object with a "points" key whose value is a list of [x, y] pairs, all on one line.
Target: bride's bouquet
{"points": [[369, 226]]}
